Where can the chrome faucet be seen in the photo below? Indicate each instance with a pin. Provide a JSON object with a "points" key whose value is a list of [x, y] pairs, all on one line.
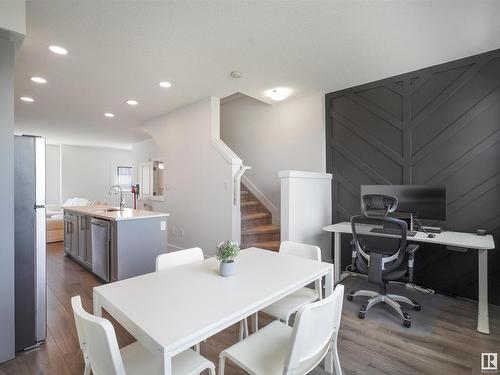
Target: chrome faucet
{"points": [[115, 188]]}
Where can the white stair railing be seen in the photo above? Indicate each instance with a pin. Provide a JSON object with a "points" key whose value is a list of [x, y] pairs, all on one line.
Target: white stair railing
{"points": [[237, 182]]}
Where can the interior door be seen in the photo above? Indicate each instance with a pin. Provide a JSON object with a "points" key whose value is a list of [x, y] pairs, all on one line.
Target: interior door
{"points": [[146, 180]]}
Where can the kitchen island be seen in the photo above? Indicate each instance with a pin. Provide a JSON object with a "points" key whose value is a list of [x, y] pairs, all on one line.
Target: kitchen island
{"points": [[114, 244]]}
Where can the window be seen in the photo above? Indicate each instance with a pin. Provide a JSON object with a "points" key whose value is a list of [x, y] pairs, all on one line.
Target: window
{"points": [[124, 177]]}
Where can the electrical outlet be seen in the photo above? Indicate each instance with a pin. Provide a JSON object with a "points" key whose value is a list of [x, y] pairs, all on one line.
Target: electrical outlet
{"points": [[163, 225]]}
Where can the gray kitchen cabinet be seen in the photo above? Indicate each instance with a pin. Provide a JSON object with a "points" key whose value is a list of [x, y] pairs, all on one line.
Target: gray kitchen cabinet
{"points": [[71, 233], [77, 237], [67, 232], [83, 238], [87, 258]]}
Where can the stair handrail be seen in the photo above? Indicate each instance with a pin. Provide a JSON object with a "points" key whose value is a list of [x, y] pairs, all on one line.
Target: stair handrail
{"points": [[237, 181]]}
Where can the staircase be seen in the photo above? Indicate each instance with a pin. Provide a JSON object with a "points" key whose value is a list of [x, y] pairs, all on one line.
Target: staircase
{"points": [[257, 229]]}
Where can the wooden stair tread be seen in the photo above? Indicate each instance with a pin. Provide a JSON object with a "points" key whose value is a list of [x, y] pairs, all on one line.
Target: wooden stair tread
{"points": [[258, 215], [249, 203], [271, 228], [243, 192], [268, 245]]}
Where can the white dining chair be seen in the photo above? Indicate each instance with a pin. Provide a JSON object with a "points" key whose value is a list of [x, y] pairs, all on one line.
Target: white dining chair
{"points": [[79, 332], [285, 307], [99, 345], [178, 258], [278, 349]]}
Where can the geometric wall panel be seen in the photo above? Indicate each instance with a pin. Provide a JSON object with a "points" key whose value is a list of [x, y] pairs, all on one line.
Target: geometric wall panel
{"points": [[438, 125]]}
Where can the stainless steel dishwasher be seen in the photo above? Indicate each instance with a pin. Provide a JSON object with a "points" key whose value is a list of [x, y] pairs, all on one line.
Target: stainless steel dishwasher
{"points": [[101, 248]]}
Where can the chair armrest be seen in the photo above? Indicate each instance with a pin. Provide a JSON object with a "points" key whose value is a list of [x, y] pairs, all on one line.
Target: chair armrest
{"points": [[412, 248]]}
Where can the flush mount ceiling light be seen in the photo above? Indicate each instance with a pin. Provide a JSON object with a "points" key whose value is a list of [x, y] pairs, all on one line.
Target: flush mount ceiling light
{"points": [[109, 114], [27, 99], [279, 93], [164, 84], [38, 79], [58, 50], [132, 102]]}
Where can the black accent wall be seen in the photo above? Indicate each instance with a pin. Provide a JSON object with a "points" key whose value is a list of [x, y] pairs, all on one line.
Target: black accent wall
{"points": [[438, 125]]}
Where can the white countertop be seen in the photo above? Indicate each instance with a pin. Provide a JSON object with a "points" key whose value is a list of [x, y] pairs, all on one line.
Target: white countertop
{"points": [[116, 215]]}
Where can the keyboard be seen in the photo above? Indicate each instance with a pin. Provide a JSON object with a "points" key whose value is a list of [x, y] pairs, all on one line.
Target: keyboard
{"points": [[393, 231]]}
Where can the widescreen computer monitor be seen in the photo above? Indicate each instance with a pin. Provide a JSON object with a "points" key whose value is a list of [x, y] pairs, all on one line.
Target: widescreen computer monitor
{"points": [[422, 201]]}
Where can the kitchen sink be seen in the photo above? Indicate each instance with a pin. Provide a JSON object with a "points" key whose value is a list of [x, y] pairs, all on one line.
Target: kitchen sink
{"points": [[104, 210]]}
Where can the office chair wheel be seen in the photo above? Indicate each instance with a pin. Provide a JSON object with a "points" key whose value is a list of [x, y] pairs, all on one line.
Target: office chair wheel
{"points": [[349, 297], [418, 308], [407, 320], [362, 312]]}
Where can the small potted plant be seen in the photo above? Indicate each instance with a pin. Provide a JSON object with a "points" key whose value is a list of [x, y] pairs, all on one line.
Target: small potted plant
{"points": [[226, 252]]}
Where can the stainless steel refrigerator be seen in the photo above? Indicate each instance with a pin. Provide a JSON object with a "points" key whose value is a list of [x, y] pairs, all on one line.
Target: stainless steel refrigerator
{"points": [[29, 224]]}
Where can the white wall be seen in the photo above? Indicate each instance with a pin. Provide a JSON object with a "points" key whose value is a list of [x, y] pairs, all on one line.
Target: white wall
{"points": [[53, 174], [86, 172], [271, 138], [198, 175]]}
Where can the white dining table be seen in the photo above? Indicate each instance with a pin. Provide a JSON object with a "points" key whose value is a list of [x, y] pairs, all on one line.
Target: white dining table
{"points": [[170, 311]]}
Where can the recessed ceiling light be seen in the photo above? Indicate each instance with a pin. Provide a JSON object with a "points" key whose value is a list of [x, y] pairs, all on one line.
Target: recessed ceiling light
{"points": [[58, 50], [279, 93], [26, 99], [132, 102], [164, 84], [109, 114], [38, 79]]}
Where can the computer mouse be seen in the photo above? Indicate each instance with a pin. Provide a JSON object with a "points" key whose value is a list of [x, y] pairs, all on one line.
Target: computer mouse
{"points": [[431, 235]]}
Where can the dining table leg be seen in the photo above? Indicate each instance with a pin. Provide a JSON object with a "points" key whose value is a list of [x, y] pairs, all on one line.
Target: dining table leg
{"points": [[329, 281], [255, 322], [167, 364], [96, 304]]}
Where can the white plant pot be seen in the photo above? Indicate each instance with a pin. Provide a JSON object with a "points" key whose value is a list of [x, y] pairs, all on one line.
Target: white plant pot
{"points": [[227, 269]]}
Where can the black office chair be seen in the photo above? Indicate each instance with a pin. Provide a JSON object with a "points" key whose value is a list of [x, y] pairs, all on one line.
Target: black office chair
{"points": [[382, 259]]}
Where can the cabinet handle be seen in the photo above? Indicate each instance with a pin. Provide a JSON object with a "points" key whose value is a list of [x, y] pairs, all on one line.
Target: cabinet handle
{"points": [[82, 223]]}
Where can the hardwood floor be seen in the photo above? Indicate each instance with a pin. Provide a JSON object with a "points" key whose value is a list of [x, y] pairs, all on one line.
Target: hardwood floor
{"points": [[454, 346]]}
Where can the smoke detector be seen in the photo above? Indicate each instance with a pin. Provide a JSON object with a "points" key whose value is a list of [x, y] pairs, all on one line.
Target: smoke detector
{"points": [[236, 74]]}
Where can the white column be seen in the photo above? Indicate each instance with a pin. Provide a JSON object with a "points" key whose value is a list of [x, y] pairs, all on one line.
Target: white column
{"points": [[306, 207]]}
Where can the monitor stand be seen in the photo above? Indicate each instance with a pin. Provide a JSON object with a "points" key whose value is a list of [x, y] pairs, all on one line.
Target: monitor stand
{"points": [[433, 229], [408, 217]]}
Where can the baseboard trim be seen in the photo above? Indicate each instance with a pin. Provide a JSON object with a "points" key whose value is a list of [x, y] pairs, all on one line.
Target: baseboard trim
{"points": [[174, 247]]}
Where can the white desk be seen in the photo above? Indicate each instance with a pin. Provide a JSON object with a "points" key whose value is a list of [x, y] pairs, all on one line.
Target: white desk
{"points": [[172, 310], [457, 239]]}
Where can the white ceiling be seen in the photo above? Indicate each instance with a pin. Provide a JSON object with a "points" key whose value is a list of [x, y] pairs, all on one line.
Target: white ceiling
{"points": [[121, 49]]}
